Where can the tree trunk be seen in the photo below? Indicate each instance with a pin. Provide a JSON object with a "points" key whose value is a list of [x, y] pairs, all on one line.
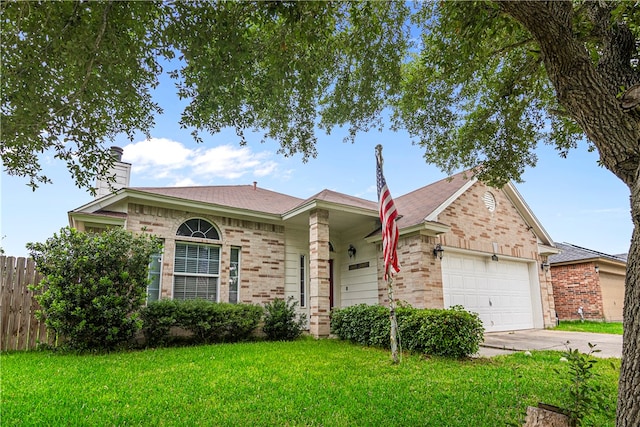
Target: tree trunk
{"points": [[588, 92], [541, 417], [628, 413]]}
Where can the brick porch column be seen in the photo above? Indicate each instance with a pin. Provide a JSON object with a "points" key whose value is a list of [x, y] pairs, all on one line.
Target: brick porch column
{"points": [[319, 273]]}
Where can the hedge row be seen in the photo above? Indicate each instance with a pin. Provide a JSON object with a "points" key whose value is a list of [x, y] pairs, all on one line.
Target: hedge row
{"points": [[450, 332], [208, 322]]}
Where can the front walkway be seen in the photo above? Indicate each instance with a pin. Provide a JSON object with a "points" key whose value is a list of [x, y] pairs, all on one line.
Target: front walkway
{"points": [[496, 343]]}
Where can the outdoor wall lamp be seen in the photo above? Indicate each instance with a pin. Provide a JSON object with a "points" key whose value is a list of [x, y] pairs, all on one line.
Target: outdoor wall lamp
{"points": [[597, 269], [351, 251], [494, 257], [544, 266], [438, 251]]}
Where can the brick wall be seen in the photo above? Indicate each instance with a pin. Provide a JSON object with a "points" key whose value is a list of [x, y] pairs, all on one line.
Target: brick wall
{"points": [[473, 227], [262, 272], [476, 228], [574, 286], [419, 282]]}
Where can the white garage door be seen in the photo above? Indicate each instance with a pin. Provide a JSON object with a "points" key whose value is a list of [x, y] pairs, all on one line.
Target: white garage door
{"points": [[499, 291]]}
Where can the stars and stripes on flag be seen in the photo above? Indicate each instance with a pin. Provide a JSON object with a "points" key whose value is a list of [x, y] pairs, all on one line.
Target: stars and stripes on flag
{"points": [[388, 216]]}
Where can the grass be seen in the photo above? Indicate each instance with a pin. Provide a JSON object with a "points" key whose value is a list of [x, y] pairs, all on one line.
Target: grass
{"points": [[302, 383], [590, 326]]}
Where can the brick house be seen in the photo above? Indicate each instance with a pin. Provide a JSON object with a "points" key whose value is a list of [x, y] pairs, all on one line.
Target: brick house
{"points": [[589, 279], [247, 244]]}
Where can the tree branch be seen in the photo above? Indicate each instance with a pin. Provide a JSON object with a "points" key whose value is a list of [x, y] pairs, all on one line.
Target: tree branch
{"points": [[96, 46], [617, 45], [512, 46]]}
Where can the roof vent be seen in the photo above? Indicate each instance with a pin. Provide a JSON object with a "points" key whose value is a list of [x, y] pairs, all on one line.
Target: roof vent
{"points": [[489, 201]]}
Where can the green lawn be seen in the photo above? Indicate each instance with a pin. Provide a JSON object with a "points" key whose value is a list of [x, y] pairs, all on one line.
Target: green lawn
{"points": [[302, 383], [590, 326]]}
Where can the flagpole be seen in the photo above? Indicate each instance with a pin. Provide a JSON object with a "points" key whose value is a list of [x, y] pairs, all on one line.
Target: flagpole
{"points": [[394, 321], [389, 278]]}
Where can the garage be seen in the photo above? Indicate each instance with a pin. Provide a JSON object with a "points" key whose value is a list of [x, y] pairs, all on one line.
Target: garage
{"points": [[499, 291], [612, 288]]}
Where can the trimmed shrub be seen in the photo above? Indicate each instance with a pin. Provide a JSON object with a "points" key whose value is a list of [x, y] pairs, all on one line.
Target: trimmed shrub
{"points": [[93, 285], [362, 324], [158, 317], [281, 320], [209, 322], [453, 332]]}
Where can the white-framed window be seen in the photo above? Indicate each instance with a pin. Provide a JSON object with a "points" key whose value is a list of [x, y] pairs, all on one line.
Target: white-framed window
{"points": [[303, 281], [234, 275], [196, 271], [155, 273], [198, 227], [196, 268]]}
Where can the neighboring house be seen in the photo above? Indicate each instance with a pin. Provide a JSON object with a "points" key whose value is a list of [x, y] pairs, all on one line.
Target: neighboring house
{"points": [[247, 244], [592, 280]]}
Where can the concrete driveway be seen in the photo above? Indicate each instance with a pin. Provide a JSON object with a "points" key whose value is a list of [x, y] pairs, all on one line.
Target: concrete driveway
{"points": [[496, 343]]}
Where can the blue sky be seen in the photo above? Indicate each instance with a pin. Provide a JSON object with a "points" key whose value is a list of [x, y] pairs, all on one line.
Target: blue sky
{"points": [[574, 199]]}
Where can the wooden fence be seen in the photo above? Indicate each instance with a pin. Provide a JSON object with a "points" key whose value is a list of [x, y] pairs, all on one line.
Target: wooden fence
{"points": [[19, 328]]}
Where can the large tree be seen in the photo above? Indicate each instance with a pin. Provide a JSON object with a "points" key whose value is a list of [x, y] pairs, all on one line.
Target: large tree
{"points": [[477, 84]]}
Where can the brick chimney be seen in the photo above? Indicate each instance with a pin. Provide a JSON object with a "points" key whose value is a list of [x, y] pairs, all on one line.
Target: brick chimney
{"points": [[120, 169]]}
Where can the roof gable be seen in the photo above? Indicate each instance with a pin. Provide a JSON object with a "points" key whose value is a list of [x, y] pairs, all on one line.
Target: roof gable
{"points": [[341, 199], [424, 203]]}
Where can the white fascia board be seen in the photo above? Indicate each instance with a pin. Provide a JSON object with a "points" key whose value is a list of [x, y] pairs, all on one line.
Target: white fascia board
{"points": [[527, 214], [433, 216], [547, 250], [426, 228], [102, 202], [322, 204], [94, 219], [135, 196]]}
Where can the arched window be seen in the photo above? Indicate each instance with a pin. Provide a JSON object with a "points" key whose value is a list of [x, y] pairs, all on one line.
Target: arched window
{"points": [[197, 227], [196, 272]]}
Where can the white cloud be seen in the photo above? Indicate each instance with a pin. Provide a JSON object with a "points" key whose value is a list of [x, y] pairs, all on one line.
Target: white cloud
{"points": [[164, 159], [372, 190], [157, 154], [227, 161], [185, 182]]}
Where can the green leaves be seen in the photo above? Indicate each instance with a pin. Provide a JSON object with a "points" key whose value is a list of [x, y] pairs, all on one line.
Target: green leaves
{"points": [[279, 67], [469, 82], [450, 332], [208, 321], [585, 394], [282, 322], [75, 75], [475, 93], [93, 285]]}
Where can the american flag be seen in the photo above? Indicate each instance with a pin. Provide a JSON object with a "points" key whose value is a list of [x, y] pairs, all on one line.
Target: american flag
{"points": [[388, 215]]}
